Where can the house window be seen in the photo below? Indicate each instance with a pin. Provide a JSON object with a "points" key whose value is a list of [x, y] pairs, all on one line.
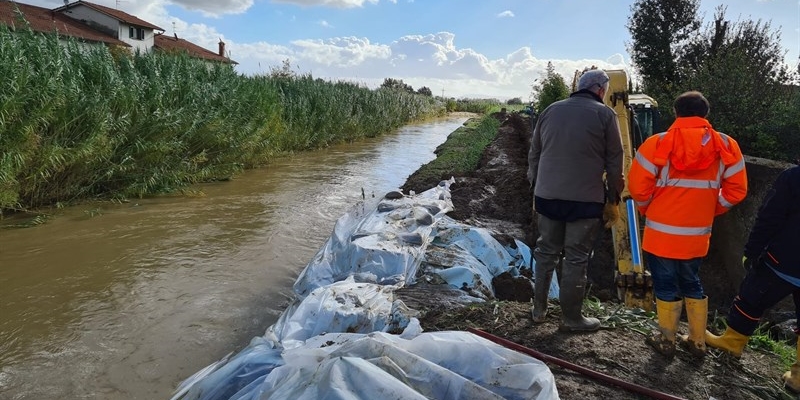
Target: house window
{"points": [[136, 33]]}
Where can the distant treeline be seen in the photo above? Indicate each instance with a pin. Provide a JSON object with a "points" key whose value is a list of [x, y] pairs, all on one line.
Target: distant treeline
{"points": [[80, 122], [478, 106]]}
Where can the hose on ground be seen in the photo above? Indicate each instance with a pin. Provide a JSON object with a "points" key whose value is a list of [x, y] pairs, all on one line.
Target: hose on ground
{"points": [[577, 368]]}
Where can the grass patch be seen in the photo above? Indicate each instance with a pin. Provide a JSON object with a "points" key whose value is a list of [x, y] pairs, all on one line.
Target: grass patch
{"points": [[619, 316], [762, 341], [460, 154]]}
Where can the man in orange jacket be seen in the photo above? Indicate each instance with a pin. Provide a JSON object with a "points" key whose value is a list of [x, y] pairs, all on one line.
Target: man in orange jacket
{"points": [[680, 180]]}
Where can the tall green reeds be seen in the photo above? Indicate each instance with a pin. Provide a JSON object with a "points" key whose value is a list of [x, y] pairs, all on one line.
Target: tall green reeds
{"points": [[77, 122], [477, 106]]}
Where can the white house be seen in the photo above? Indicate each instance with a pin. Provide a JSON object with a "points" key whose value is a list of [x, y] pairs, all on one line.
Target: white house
{"points": [[138, 33], [20, 16], [93, 24]]}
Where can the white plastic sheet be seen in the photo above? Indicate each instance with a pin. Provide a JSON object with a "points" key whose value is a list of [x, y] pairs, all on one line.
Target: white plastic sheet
{"points": [[380, 243], [436, 365], [346, 306], [346, 336]]}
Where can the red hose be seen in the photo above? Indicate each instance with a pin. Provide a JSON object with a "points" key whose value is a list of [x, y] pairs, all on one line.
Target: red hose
{"points": [[568, 365]]}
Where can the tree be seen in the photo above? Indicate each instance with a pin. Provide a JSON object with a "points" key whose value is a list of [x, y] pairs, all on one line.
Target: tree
{"points": [[425, 91], [659, 29], [739, 66], [285, 71], [551, 89], [397, 84], [514, 101]]}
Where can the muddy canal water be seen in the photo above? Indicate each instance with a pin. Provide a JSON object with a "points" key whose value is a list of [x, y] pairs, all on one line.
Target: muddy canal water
{"points": [[125, 301]]}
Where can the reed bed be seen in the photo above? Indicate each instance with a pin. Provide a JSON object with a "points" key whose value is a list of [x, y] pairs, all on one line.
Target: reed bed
{"points": [[80, 122], [477, 106]]}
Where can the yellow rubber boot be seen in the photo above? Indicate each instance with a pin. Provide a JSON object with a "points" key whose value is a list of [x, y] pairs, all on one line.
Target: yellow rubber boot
{"points": [[697, 314], [669, 313], [731, 341], [792, 377]]}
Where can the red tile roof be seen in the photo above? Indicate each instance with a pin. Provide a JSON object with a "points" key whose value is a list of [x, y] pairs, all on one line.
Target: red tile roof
{"points": [[169, 43], [45, 20], [114, 13]]}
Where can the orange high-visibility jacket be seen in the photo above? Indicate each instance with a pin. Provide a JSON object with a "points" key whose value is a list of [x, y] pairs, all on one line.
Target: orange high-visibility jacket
{"points": [[680, 180]]}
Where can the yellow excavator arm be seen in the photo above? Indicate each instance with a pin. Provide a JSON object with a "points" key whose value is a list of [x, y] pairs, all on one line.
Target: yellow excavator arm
{"points": [[634, 283]]}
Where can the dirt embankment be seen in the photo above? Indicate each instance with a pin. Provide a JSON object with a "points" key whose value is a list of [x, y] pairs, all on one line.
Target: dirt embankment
{"points": [[497, 196]]}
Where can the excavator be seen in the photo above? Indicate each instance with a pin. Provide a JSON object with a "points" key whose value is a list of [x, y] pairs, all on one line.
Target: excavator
{"points": [[637, 115]]}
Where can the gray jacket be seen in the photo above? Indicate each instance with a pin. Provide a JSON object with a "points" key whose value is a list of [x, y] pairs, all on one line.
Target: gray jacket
{"points": [[575, 141]]}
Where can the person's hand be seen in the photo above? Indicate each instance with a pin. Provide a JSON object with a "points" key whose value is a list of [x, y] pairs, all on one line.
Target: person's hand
{"points": [[610, 214]]}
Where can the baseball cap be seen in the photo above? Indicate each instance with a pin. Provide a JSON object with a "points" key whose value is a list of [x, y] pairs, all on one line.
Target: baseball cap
{"points": [[592, 77]]}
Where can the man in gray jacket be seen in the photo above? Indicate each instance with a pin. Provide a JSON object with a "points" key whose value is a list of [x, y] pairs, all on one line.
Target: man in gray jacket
{"points": [[574, 142]]}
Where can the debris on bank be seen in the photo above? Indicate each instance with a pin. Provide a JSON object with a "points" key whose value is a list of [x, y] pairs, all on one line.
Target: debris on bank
{"points": [[348, 336]]}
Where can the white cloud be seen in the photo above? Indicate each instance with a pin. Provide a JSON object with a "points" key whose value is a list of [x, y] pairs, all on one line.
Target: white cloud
{"points": [[328, 3], [338, 53], [432, 60], [325, 24], [616, 59], [215, 7], [506, 14]]}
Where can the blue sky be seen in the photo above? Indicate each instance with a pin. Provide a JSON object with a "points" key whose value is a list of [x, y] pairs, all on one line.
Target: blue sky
{"points": [[466, 48]]}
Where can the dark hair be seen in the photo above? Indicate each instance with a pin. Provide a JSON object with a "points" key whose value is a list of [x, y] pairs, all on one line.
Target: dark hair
{"points": [[691, 104]]}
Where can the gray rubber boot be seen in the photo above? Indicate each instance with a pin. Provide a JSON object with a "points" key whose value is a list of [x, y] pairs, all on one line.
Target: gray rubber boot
{"points": [[573, 286], [541, 290], [547, 254]]}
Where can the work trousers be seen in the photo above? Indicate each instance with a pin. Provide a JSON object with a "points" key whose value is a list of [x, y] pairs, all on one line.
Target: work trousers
{"points": [[760, 290], [675, 279], [573, 240]]}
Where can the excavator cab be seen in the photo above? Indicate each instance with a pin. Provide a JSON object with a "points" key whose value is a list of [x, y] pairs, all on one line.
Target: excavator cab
{"points": [[645, 111], [637, 115]]}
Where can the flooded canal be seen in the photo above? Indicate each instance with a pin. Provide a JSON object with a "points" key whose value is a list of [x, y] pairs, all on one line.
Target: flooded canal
{"points": [[125, 301]]}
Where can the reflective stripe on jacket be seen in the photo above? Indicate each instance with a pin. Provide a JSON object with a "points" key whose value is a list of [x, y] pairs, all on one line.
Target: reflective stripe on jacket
{"points": [[681, 183]]}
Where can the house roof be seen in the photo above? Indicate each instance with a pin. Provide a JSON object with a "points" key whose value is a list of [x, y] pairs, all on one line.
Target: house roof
{"points": [[111, 12], [49, 21], [169, 43]]}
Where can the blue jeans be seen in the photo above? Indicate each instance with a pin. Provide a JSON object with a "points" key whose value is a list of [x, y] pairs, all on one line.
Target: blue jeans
{"points": [[675, 279]]}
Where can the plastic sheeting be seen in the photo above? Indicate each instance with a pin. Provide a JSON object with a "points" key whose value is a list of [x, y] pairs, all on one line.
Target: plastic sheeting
{"points": [[345, 306], [346, 336], [382, 244]]}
